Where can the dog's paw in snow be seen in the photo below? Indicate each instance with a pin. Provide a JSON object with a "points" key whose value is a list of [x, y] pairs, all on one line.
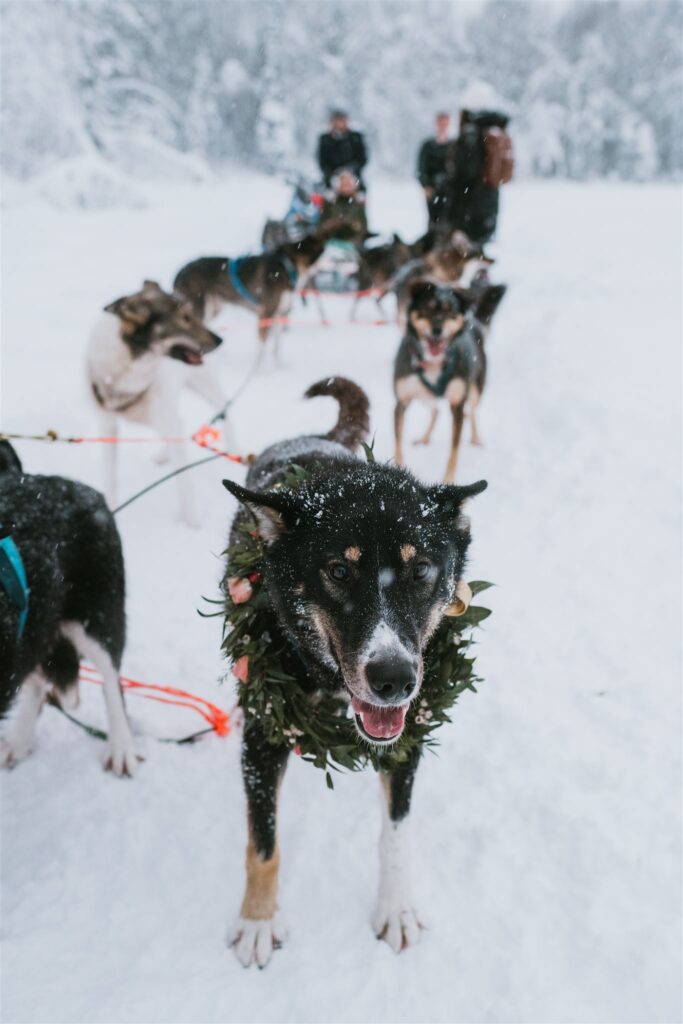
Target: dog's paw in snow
{"points": [[121, 757], [400, 926], [13, 750], [255, 940]]}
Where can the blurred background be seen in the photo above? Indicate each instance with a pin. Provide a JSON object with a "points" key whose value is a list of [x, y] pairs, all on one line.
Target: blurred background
{"points": [[99, 96]]}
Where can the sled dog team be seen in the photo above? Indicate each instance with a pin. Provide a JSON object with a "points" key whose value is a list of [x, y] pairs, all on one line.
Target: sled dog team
{"points": [[361, 560]]}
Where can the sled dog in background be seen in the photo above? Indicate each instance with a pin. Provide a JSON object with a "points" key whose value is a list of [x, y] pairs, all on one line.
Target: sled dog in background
{"points": [[323, 542], [61, 599], [442, 356], [264, 284], [132, 365]]}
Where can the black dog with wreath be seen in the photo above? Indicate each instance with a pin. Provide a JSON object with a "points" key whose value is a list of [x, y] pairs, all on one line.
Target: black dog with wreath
{"points": [[343, 578]]}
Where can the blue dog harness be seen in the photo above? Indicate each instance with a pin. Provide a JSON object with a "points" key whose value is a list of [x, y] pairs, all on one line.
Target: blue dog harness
{"points": [[241, 288], [292, 272], [13, 580]]}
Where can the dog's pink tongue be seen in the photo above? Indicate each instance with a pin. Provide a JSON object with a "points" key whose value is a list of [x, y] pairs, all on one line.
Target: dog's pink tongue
{"points": [[382, 723]]}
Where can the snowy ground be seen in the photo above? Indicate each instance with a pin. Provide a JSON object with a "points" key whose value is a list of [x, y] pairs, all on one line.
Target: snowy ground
{"points": [[547, 834]]}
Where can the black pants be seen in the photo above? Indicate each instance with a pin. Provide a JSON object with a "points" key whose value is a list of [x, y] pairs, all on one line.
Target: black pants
{"points": [[437, 210]]}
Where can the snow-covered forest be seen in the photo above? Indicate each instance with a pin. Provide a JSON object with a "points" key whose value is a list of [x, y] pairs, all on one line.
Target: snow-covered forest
{"points": [[125, 89]]}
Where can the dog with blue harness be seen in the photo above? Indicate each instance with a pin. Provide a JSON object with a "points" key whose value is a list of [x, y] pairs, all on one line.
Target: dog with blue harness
{"points": [[263, 283], [62, 591]]}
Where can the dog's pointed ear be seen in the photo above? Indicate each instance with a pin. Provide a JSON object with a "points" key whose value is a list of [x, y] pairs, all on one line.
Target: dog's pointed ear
{"points": [[273, 511], [136, 309], [449, 498], [397, 239]]}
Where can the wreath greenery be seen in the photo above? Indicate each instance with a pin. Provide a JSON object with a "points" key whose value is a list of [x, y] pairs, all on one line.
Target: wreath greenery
{"points": [[317, 725]]}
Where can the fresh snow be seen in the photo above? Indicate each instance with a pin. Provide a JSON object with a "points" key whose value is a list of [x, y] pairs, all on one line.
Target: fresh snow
{"points": [[546, 842]]}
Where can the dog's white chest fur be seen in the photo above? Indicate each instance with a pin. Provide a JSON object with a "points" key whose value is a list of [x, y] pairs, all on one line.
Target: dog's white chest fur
{"points": [[117, 375]]}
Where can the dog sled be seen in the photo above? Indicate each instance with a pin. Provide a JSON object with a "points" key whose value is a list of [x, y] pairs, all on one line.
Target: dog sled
{"points": [[301, 218]]}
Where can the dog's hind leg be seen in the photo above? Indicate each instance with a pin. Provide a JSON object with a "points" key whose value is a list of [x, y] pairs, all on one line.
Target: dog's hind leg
{"points": [[313, 287], [121, 757], [396, 920], [259, 929], [19, 742], [427, 436]]}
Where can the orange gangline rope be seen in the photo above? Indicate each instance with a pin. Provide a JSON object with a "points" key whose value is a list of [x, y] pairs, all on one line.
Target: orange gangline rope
{"points": [[206, 437], [218, 719]]}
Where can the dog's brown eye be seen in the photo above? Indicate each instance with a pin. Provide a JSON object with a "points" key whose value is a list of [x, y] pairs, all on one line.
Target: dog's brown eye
{"points": [[338, 571], [421, 570]]}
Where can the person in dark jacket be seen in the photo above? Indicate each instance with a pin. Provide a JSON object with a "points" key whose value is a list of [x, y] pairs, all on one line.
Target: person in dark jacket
{"points": [[473, 205], [341, 148], [432, 170]]}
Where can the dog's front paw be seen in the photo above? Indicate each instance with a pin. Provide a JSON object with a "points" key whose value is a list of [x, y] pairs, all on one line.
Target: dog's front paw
{"points": [[399, 925], [121, 757], [255, 940], [13, 750]]}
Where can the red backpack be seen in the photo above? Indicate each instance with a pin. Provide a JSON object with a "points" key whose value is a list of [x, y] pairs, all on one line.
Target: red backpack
{"points": [[499, 163]]}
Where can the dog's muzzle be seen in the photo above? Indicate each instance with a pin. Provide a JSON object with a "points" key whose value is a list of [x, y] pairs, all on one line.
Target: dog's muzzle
{"points": [[393, 681]]}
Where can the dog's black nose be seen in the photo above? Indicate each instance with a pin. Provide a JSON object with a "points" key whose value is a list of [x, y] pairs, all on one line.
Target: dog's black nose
{"points": [[391, 679]]}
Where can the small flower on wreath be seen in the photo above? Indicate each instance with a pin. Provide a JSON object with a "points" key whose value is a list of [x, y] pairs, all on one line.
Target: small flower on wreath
{"points": [[240, 589], [240, 669], [292, 733]]}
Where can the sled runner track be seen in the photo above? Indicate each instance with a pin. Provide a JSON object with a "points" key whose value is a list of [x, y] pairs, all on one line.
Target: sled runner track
{"points": [[353, 425]]}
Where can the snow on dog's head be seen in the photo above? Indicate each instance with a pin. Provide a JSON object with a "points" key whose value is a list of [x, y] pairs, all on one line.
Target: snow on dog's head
{"points": [[360, 564]]}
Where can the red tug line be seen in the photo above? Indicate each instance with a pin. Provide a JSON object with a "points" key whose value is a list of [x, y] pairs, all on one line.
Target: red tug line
{"points": [[218, 719]]}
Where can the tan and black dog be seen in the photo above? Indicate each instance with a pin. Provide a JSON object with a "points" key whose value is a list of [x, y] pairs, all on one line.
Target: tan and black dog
{"points": [[442, 356], [264, 284], [378, 265], [361, 561]]}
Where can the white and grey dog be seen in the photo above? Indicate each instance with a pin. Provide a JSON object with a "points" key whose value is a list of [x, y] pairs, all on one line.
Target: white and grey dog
{"points": [[131, 378]]}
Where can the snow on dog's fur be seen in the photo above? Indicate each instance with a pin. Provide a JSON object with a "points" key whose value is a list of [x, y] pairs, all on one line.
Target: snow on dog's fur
{"points": [[71, 552], [360, 563]]}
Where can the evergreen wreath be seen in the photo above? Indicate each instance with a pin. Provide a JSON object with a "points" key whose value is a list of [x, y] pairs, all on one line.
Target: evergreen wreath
{"points": [[317, 727]]}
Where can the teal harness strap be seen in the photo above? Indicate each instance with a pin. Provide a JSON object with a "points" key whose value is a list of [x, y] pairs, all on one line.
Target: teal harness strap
{"points": [[292, 272], [438, 388], [240, 288], [13, 580]]}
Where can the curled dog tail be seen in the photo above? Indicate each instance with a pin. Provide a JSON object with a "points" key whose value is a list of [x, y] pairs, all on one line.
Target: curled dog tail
{"points": [[353, 425]]}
